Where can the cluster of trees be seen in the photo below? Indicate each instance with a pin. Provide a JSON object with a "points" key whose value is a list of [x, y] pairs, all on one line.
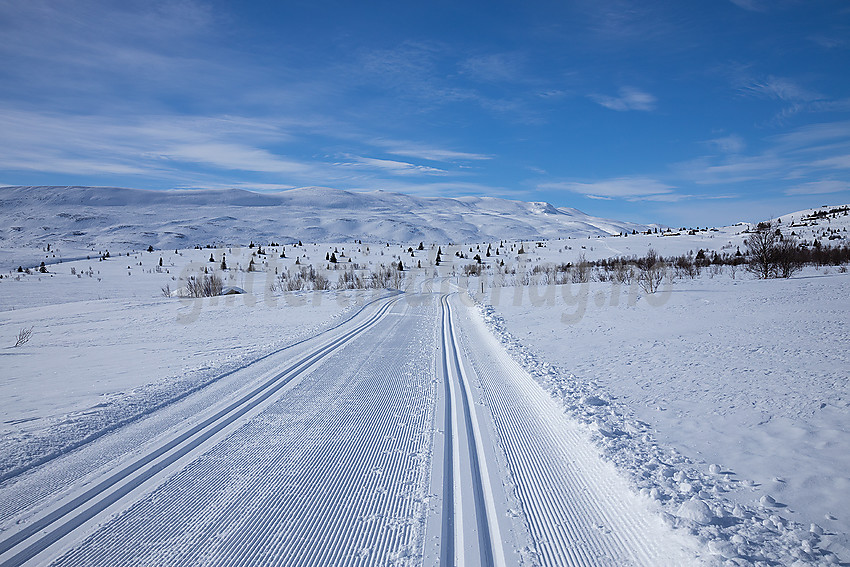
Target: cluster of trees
{"points": [[308, 278], [771, 254]]}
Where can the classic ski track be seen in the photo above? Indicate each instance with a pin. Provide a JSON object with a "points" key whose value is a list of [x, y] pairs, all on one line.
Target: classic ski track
{"points": [[578, 511], [40, 534], [12, 474], [336, 469], [304, 499], [489, 539]]}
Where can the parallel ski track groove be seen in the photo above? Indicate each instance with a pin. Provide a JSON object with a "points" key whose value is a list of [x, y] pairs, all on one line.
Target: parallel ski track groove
{"points": [[447, 548], [322, 526], [5, 510], [553, 493], [450, 351], [192, 439]]}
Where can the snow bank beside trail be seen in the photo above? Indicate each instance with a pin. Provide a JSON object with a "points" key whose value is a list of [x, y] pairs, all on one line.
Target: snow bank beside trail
{"points": [[92, 365], [728, 405]]}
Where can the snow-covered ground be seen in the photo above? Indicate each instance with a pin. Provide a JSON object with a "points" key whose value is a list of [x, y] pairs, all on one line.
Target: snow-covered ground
{"points": [[92, 364], [748, 379], [133, 218], [722, 400]]}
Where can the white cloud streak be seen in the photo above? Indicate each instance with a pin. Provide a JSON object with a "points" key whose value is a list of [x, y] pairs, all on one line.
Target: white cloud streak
{"points": [[731, 144], [780, 88], [819, 188], [392, 167], [629, 188], [630, 99], [422, 151]]}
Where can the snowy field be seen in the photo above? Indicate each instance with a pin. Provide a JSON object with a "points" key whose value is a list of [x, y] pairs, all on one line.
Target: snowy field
{"points": [[719, 405], [745, 377]]}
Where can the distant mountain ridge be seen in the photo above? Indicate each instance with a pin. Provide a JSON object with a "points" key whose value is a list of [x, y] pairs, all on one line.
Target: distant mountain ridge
{"points": [[137, 218]]}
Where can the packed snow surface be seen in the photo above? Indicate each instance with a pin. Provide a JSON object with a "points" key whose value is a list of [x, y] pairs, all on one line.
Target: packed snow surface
{"points": [[584, 423]]}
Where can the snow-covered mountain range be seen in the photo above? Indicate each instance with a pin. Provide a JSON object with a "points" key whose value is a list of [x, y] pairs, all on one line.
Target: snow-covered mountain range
{"points": [[134, 218]]}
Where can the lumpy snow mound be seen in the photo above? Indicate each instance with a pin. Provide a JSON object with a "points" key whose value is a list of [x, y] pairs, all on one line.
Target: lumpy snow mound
{"points": [[133, 218]]}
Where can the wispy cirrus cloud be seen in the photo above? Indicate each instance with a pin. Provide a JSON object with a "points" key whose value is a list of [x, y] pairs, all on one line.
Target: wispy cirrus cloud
{"points": [[226, 151], [731, 144], [494, 67], [629, 188], [819, 187], [234, 156], [424, 151], [629, 98], [779, 88], [764, 5], [815, 150], [750, 5], [393, 167], [64, 143]]}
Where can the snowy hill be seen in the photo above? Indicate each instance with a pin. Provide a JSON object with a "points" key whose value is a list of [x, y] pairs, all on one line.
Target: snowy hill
{"points": [[133, 218]]}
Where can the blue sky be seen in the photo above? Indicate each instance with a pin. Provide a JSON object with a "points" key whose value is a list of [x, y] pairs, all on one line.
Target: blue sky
{"points": [[686, 113]]}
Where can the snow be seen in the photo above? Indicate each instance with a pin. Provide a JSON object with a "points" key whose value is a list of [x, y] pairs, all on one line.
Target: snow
{"points": [[749, 374], [719, 405], [132, 219], [110, 346], [732, 393]]}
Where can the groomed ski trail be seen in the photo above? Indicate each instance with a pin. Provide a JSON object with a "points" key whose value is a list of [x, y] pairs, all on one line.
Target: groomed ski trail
{"points": [[316, 414], [576, 509], [407, 436], [470, 527]]}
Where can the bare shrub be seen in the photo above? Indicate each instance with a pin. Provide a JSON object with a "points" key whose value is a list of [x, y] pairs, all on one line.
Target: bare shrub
{"points": [[23, 337], [652, 270], [581, 270], [473, 269], [320, 282], [685, 266], [787, 257], [206, 286]]}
